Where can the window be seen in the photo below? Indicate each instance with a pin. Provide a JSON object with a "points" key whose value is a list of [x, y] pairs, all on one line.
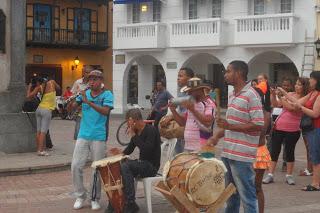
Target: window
{"points": [[135, 13], [82, 24], [156, 10], [193, 9], [286, 6], [258, 7], [42, 22], [216, 8]]}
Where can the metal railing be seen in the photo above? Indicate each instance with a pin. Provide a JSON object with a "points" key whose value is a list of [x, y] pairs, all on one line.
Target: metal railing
{"points": [[66, 38]]}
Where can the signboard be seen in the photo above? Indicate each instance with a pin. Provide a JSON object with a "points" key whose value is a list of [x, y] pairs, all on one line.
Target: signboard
{"points": [[172, 65]]}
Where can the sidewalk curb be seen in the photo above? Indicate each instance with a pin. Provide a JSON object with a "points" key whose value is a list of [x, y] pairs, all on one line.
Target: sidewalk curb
{"points": [[37, 169]]}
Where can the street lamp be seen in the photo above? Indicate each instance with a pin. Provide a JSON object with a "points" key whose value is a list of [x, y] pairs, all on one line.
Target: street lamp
{"points": [[76, 62], [317, 43]]}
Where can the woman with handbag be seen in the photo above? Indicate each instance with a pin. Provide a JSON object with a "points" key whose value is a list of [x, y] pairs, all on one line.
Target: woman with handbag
{"points": [[286, 128], [47, 89], [310, 106]]}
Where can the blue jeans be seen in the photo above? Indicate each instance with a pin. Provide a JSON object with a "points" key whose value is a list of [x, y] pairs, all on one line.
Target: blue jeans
{"points": [[314, 145], [242, 175]]}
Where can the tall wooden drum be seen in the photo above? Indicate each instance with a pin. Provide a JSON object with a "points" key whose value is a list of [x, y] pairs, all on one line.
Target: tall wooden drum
{"points": [[110, 172]]}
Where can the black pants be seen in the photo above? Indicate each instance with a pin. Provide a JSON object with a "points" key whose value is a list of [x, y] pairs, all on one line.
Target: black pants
{"points": [[289, 139], [131, 169]]}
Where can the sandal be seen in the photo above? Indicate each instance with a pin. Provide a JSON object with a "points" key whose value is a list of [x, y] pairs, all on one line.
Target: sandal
{"points": [[310, 188], [305, 173]]}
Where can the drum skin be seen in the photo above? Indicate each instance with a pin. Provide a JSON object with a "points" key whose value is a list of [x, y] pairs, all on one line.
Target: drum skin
{"points": [[178, 168], [201, 180]]}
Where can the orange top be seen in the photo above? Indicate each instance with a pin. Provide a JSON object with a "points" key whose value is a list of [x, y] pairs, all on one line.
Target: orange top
{"points": [[263, 87]]}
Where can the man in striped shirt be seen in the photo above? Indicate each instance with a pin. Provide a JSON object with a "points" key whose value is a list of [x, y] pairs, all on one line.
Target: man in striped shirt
{"points": [[241, 130]]}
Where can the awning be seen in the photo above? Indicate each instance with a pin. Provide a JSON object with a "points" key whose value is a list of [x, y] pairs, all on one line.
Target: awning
{"points": [[130, 1]]}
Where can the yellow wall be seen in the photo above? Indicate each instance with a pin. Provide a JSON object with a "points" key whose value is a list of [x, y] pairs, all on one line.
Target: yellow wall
{"points": [[65, 57]]}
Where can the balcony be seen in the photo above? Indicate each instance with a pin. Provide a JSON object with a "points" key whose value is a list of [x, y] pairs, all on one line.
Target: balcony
{"points": [[63, 38], [140, 36], [275, 29], [196, 33]]}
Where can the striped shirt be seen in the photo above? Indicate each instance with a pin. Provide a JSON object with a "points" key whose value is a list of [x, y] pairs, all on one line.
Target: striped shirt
{"points": [[192, 131], [244, 107]]}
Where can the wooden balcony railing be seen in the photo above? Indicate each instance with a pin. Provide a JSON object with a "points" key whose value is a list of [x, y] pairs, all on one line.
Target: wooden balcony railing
{"points": [[63, 38]]}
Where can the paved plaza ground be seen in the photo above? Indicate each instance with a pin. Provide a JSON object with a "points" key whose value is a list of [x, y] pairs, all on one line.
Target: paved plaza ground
{"points": [[43, 191]]}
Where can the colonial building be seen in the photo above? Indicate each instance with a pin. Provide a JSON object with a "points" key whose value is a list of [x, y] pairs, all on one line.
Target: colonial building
{"points": [[153, 39], [64, 35]]}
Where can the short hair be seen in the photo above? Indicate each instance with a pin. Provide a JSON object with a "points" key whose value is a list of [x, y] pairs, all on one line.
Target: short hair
{"points": [[162, 82], [264, 76], [305, 85], [242, 67], [316, 75], [189, 72], [135, 114], [287, 79]]}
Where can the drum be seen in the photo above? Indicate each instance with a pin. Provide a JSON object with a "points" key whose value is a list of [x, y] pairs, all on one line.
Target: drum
{"points": [[110, 172], [170, 129], [202, 180]]}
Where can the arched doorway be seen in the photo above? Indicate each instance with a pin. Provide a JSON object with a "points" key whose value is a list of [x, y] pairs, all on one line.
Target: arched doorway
{"points": [[140, 78], [210, 69], [275, 65]]}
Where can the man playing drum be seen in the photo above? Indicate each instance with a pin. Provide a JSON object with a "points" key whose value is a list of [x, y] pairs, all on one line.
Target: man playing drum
{"points": [[241, 131], [147, 139], [96, 105], [199, 116]]}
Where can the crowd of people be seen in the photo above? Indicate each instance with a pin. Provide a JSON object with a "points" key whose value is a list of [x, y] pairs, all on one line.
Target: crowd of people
{"points": [[261, 119]]}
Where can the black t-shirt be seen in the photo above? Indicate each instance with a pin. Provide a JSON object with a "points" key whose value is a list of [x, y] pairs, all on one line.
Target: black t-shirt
{"points": [[148, 143]]}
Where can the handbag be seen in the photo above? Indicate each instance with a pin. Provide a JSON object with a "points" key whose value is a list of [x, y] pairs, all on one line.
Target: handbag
{"points": [[32, 105], [306, 123]]}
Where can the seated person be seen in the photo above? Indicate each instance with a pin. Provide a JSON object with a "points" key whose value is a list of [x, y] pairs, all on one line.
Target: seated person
{"points": [[67, 94], [199, 118], [147, 139]]}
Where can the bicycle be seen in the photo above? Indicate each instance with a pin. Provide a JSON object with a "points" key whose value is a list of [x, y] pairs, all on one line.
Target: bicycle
{"points": [[122, 131]]}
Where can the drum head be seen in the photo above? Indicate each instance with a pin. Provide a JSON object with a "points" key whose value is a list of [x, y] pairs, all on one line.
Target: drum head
{"points": [[205, 182], [165, 172], [109, 160]]}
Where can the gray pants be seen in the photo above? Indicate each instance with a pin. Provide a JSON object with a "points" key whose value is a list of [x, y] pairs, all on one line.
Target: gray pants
{"points": [[80, 156], [43, 117]]}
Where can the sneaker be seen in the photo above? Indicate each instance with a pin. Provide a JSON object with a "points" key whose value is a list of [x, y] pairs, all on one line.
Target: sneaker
{"points": [[131, 208], [95, 205], [290, 180], [43, 153], [79, 203], [268, 179]]}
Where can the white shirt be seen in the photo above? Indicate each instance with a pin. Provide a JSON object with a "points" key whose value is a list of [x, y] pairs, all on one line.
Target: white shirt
{"points": [[79, 86]]}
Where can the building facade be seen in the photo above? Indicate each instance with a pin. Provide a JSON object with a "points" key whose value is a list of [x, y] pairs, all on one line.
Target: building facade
{"points": [[153, 39], [60, 31]]}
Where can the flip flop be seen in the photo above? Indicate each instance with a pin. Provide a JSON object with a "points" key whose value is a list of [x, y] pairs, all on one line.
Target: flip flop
{"points": [[310, 188]]}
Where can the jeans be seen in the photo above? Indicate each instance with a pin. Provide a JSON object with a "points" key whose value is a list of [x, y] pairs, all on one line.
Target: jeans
{"points": [[242, 175], [314, 146], [179, 148], [80, 156], [131, 169]]}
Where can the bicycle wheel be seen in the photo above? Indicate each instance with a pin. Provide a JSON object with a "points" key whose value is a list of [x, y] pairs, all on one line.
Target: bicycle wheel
{"points": [[122, 136]]}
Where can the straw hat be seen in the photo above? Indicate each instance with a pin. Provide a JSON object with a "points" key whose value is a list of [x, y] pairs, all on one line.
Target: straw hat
{"points": [[194, 84]]}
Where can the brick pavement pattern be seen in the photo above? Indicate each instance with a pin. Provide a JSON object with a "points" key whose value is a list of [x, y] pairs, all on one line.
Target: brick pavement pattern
{"points": [[50, 192]]}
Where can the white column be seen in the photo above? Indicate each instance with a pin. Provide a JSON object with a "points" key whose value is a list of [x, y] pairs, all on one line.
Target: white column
{"points": [[171, 76], [119, 85], [145, 76]]}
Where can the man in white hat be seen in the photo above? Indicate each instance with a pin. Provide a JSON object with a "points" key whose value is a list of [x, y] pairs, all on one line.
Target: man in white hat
{"points": [[199, 117]]}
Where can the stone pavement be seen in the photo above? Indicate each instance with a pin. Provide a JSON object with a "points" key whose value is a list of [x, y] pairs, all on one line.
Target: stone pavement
{"points": [[50, 192]]}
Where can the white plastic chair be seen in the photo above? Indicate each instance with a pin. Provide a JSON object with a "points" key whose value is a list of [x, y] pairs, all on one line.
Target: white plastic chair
{"points": [[165, 156]]}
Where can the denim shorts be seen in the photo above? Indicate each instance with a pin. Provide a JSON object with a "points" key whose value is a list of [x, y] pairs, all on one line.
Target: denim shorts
{"points": [[313, 138]]}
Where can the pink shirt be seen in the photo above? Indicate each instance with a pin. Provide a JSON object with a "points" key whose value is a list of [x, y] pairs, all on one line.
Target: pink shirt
{"points": [[192, 128], [288, 121]]}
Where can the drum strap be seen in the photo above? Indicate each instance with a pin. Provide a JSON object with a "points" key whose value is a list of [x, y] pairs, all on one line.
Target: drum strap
{"points": [[94, 186]]}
